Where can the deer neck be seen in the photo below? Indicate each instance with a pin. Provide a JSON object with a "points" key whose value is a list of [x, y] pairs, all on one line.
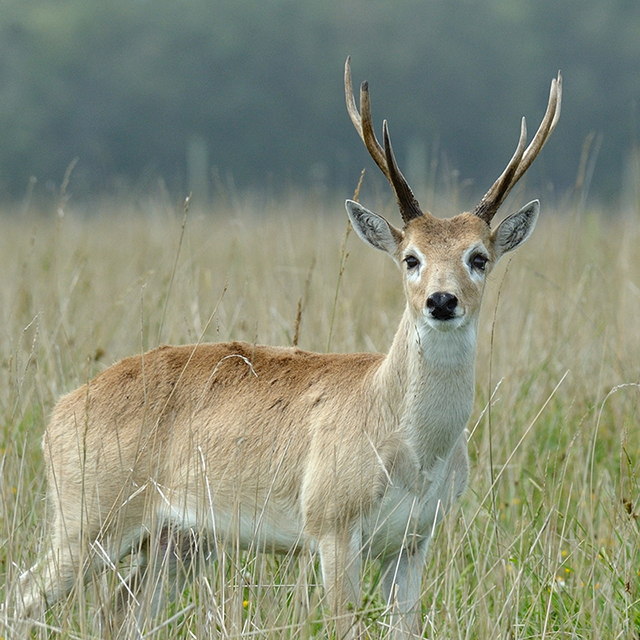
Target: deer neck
{"points": [[427, 381]]}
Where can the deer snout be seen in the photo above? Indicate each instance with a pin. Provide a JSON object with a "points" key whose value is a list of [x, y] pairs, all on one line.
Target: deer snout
{"points": [[442, 305]]}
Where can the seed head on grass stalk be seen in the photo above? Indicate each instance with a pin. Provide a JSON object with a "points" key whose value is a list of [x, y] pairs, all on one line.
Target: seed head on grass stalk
{"points": [[64, 185], [304, 296]]}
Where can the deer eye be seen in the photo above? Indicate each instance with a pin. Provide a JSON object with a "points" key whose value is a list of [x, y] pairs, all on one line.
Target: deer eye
{"points": [[479, 261], [412, 262]]}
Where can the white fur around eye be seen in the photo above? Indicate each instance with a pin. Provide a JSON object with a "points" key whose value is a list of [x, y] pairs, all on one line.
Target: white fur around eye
{"points": [[474, 274], [413, 275]]}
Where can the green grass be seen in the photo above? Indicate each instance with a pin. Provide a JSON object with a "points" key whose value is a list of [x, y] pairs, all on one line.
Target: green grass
{"points": [[546, 541]]}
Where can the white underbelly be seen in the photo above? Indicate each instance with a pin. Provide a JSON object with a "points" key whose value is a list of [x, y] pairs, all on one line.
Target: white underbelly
{"points": [[268, 529], [402, 518]]}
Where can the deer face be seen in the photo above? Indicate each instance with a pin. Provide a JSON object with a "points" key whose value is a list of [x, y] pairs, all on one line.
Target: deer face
{"points": [[444, 263]]}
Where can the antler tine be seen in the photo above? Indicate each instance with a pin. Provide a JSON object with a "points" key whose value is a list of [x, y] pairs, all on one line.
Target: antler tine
{"points": [[363, 123], [547, 125], [522, 158], [491, 201], [409, 207], [384, 158]]}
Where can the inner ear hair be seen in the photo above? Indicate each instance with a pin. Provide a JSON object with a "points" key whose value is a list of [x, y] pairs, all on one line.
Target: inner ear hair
{"points": [[373, 228]]}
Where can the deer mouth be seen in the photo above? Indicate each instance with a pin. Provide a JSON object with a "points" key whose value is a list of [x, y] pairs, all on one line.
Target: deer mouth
{"points": [[448, 323]]}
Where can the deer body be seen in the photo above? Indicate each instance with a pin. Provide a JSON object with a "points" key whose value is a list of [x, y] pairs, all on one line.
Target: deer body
{"points": [[277, 449], [262, 450]]}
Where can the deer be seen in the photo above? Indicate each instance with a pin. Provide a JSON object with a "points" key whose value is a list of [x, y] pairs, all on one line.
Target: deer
{"points": [[276, 449]]}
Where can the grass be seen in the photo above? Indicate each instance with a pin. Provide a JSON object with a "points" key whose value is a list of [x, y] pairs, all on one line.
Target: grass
{"points": [[545, 542]]}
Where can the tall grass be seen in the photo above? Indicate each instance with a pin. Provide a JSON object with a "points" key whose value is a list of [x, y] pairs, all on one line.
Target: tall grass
{"points": [[545, 542]]}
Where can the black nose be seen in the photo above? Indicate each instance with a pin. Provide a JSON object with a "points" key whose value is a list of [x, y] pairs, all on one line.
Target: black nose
{"points": [[442, 305]]}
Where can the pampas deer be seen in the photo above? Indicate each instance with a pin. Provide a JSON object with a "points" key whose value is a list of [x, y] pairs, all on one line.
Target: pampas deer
{"points": [[278, 448]]}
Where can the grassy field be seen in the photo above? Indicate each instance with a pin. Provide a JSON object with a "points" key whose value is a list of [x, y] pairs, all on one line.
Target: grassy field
{"points": [[545, 542]]}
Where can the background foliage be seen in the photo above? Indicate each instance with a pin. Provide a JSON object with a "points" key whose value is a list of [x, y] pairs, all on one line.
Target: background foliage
{"points": [[128, 85]]}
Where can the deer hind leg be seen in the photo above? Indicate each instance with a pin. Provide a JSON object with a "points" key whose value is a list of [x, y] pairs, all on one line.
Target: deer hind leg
{"points": [[165, 562], [340, 560], [48, 581], [72, 559], [69, 561]]}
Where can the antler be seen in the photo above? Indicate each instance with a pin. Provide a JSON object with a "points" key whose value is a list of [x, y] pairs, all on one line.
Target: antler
{"points": [[522, 158], [384, 158]]}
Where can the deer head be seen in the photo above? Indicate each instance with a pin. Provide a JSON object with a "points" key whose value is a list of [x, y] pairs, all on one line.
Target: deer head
{"points": [[445, 261]]}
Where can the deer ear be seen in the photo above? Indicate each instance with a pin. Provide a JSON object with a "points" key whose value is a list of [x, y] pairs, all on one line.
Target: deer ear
{"points": [[515, 229], [373, 229]]}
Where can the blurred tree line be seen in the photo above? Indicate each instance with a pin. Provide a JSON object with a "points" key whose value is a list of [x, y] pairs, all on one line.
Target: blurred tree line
{"points": [[247, 94]]}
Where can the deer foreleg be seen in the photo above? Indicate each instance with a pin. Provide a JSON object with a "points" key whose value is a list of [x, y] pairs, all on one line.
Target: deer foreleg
{"points": [[340, 559], [402, 589]]}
